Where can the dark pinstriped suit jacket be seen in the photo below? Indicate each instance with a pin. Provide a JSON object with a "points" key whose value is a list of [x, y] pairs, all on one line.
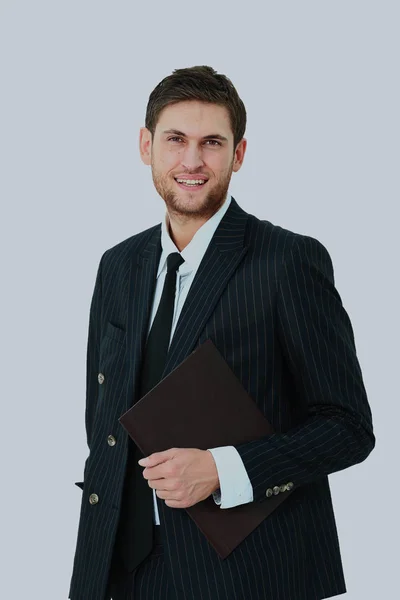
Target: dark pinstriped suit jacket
{"points": [[266, 298]]}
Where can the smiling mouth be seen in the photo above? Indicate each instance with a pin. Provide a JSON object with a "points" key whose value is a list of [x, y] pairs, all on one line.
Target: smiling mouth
{"points": [[191, 184]]}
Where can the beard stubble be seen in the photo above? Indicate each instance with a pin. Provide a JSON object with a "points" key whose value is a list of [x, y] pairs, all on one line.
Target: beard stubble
{"points": [[182, 208]]}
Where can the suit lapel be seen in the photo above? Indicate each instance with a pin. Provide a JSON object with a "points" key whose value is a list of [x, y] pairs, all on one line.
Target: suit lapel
{"points": [[222, 257], [141, 291]]}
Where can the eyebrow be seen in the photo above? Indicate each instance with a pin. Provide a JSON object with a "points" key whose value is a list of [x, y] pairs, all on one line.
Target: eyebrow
{"points": [[215, 136]]}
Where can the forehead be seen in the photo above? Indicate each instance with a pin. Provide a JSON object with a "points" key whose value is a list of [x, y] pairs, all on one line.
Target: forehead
{"points": [[195, 119]]}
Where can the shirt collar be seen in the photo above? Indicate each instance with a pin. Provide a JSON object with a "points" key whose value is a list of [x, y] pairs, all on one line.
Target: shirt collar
{"points": [[195, 250]]}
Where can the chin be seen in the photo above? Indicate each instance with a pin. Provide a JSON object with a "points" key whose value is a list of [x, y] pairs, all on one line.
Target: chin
{"points": [[197, 204], [187, 206]]}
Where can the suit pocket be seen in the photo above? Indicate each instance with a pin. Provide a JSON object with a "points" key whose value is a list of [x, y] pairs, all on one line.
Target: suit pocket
{"points": [[79, 484], [115, 333]]}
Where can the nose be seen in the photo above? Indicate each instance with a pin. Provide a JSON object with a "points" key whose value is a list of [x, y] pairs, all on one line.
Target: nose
{"points": [[192, 157]]}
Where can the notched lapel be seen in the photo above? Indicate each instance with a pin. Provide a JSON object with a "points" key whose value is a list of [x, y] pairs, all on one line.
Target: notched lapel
{"points": [[141, 292], [223, 256]]}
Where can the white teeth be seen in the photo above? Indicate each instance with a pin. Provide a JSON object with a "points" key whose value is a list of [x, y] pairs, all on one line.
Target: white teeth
{"points": [[191, 181]]}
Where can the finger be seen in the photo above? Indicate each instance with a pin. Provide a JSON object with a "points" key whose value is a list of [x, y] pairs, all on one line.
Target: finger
{"points": [[156, 458], [157, 484], [159, 471], [169, 495], [156, 472], [177, 504], [169, 485]]}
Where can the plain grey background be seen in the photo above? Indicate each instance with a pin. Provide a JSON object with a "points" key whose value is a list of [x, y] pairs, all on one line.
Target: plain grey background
{"points": [[320, 81]]}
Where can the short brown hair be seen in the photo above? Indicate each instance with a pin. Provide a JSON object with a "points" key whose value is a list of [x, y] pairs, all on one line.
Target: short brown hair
{"points": [[200, 83]]}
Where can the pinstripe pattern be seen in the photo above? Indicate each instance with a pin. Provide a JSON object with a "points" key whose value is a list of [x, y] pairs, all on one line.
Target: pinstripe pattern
{"points": [[149, 580], [266, 297]]}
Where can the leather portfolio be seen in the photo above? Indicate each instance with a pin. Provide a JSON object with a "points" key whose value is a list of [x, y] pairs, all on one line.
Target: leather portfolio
{"points": [[202, 404]]}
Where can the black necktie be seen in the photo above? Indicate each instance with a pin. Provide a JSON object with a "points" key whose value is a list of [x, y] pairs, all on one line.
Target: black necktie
{"points": [[136, 525], [158, 341]]}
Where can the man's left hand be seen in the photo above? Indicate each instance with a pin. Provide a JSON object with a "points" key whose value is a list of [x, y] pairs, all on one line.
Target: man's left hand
{"points": [[181, 476]]}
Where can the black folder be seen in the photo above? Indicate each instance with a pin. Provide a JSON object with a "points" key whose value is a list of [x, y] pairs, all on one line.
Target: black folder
{"points": [[202, 404]]}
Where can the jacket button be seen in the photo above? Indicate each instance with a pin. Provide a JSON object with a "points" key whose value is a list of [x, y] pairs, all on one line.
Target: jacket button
{"points": [[269, 493], [111, 440], [276, 490], [283, 487], [100, 378], [93, 498], [289, 486]]}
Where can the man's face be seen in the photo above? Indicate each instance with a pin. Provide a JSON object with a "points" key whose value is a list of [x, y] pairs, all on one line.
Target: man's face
{"points": [[193, 141]]}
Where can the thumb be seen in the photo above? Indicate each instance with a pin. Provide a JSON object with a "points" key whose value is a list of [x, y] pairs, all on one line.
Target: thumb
{"points": [[156, 458]]}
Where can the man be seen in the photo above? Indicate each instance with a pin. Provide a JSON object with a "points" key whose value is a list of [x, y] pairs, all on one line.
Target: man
{"points": [[266, 298]]}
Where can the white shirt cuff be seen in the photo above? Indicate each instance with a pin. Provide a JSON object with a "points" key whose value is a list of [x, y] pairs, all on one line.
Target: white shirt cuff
{"points": [[235, 486]]}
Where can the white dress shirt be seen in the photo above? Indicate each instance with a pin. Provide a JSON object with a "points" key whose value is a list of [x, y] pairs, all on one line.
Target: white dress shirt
{"points": [[235, 486]]}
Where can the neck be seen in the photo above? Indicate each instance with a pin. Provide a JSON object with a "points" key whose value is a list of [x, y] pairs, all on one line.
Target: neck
{"points": [[182, 229]]}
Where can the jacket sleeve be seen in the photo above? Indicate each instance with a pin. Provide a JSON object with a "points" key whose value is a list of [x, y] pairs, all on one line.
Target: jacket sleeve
{"points": [[317, 342], [92, 354]]}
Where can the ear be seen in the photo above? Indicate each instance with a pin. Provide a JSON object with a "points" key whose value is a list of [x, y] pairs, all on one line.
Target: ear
{"points": [[239, 154], [145, 145]]}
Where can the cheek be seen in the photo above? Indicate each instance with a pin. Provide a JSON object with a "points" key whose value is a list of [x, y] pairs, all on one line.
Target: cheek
{"points": [[216, 162], [170, 159]]}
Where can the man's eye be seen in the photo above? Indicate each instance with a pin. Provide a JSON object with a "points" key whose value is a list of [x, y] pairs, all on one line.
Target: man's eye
{"points": [[212, 142]]}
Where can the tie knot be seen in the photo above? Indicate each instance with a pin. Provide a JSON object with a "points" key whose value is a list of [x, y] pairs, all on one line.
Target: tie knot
{"points": [[174, 261]]}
